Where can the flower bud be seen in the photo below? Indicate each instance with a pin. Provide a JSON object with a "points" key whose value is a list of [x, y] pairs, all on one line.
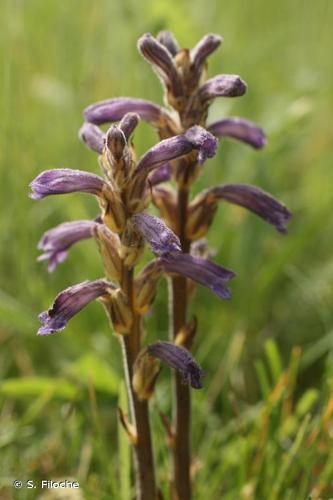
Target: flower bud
{"points": [[186, 334], [128, 124], [132, 245], [116, 142], [145, 372], [119, 311], [167, 39], [145, 287], [113, 210], [200, 217], [109, 247], [166, 201]]}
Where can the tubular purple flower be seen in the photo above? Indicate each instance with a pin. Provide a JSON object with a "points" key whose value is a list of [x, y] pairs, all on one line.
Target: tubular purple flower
{"points": [[222, 86], [161, 174], [200, 270], [161, 239], [195, 138], [240, 129], [92, 136], [256, 200], [65, 180], [128, 124], [113, 110], [167, 39], [158, 55], [180, 359], [56, 242], [208, 44], [68, 303]]}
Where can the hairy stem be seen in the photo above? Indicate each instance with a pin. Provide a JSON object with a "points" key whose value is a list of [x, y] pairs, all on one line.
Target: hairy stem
{"points": [[182, 400], [143, 450]]}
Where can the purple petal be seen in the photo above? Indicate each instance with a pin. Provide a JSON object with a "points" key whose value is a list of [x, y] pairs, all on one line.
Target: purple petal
{"points": [[128, 124], [180, 359], [92, 136], [158, 55], [68, 303], [162, 240], [198, 57], [256, 200], [167, 39], [113, 110], [238, 128], [196, 138], [161, 174], [208, 44], [65, 180], [222, 86], [200, 270], [58, 240]]}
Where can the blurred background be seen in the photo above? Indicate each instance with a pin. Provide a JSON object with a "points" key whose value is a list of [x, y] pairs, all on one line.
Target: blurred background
{"points": [[263, 424]]}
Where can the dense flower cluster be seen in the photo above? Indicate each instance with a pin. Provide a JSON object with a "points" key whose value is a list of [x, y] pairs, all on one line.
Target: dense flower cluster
{"points": [[123, 195]]}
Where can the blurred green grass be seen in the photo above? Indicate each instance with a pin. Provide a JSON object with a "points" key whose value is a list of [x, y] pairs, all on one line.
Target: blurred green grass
{"points": [[56, 58]]}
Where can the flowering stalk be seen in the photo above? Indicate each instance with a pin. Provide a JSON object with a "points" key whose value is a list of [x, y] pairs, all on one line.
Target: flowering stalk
{"points": [[123, 194], [189, 94]]}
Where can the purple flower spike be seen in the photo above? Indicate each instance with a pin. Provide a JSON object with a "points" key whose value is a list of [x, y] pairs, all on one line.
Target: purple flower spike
{"points": [[196, 138], [162, 240], [240, 129], [200, 270], [167, 39], [161, 174], [56, 242], [158, 55], [68, 303], [180, 359], [113, 110], [222, 86], [256, 200], [65, 180], [92, 136]]}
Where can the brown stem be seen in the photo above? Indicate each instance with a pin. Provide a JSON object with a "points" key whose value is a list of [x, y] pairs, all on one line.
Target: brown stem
{"points": [[182, 399], [143, 450]]}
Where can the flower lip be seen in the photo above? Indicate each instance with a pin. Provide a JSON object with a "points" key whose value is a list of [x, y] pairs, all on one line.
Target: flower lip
{"points": [[56, 242], [162, 240], [69, 302], [180, 359], [240, 129], [203, 140], [65, 180]]}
